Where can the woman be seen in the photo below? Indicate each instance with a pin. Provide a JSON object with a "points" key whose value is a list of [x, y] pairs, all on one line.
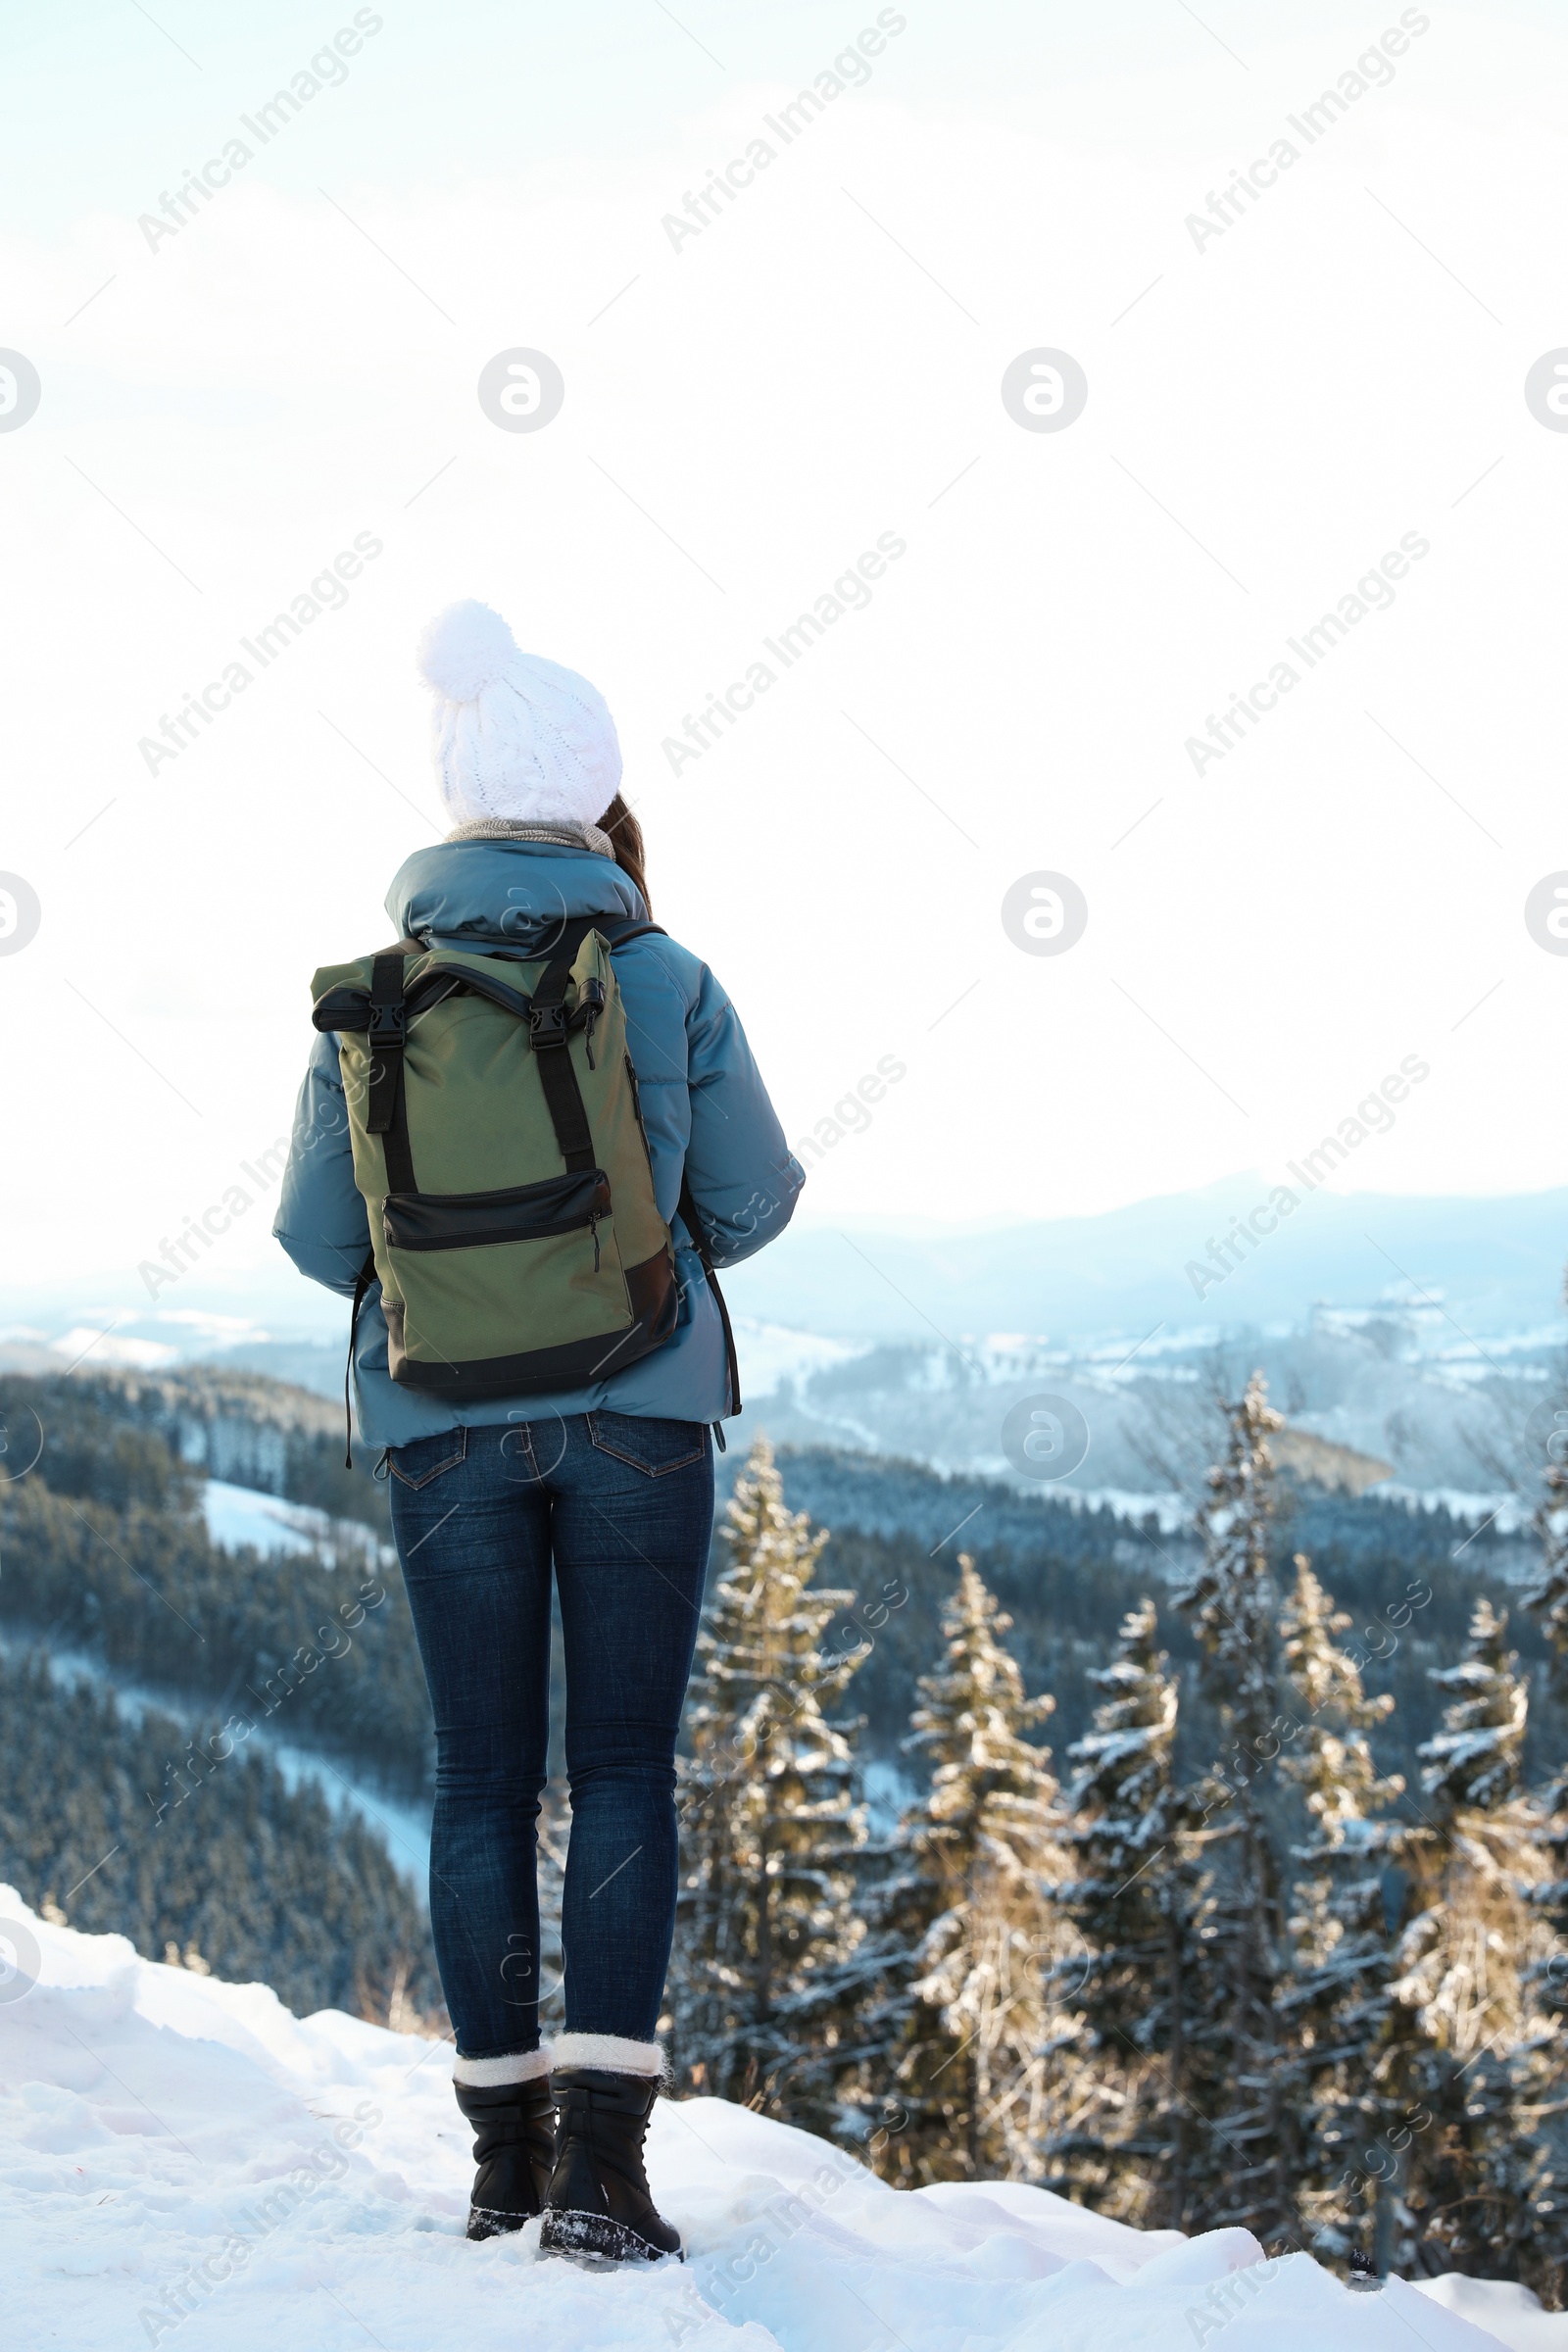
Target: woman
{"points": [[611, 1483]]}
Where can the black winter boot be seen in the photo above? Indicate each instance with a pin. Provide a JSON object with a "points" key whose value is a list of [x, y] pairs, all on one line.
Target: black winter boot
{"points": [[514, 2147], [597, 2200]]}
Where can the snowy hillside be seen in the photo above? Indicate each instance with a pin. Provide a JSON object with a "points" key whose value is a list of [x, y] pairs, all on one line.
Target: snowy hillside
{"points": [[1400, 1379], [183, 2161]]}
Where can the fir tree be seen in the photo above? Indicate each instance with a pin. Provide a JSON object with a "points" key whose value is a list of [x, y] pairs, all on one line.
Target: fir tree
{"points": [[979, 2063], [1548, 1599], [1242, 2160], [1468, 2054], [1131, 1897], [1546, 1979], [1475, 1763], [768, 1822], [1548, 1596], [1335, 2003]]}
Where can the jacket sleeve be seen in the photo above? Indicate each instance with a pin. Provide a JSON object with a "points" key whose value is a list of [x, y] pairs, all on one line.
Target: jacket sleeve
{"points": [[320, 1214], [744, 1178]]}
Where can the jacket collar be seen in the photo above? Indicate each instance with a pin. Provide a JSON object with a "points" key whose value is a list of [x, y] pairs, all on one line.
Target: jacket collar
{"points": [[496, 887], [566, 836]]}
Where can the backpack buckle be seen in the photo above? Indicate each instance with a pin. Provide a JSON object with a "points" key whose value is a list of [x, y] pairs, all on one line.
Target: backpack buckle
{"points": [[386, 1028], [547, 1025]]}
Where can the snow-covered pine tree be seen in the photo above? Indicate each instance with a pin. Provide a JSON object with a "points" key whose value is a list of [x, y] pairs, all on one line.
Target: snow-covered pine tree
{"points": [[1470, 2058], [1548, 1599], [768, 1824], [1548, 1596], [1241, 2161], [1334, 2004], [980, 2069], [1546, 1979], [1131, 1897]]}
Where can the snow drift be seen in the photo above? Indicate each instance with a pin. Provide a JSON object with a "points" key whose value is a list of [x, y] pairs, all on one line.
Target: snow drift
{"points": [[183, 2162]]}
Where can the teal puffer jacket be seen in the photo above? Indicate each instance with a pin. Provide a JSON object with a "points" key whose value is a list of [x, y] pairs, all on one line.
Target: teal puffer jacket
{"points": [[703, 1104]]}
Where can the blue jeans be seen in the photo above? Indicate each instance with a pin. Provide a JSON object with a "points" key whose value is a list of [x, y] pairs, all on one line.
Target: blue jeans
{"points": [[625, 1509]]}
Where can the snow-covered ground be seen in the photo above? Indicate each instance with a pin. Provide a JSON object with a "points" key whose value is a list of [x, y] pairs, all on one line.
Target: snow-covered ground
{"points": [[183, 2162], [237, 1516], [770, 1353]]}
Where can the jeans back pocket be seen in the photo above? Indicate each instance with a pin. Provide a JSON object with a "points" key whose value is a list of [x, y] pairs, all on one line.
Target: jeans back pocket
{"points": [[425, 1460], [655, 1448]]}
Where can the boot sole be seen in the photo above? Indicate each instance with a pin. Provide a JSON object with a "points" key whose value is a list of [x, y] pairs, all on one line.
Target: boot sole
{"points": [[484, 2221], [596, 2235]]}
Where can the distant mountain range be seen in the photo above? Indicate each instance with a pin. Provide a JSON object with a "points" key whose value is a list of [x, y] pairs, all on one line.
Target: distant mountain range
{"points": [[1497, 1265], [1418, 1337]]}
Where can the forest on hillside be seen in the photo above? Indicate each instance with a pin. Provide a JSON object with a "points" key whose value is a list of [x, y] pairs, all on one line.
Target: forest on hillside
{"points": [[102, 1548], [178, 1835], [1191, 1924], [1272, 1985]]}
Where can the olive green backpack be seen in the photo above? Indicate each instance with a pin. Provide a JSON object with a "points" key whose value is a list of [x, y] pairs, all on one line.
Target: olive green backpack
{"points": [[499, 1143]]}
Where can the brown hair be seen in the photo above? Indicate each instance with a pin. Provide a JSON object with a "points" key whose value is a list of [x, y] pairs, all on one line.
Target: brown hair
{"points": [[626, 836]]}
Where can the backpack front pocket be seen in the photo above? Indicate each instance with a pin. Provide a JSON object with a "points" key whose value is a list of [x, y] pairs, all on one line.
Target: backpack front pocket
{"points": [[529, 1271], [523, 1213]]}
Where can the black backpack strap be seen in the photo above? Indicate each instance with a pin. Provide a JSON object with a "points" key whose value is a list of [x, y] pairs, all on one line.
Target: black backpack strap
{"points": [[693, 1224], [385, 1038], [618, 929], [549, 1028], [363, 1282], [614, 929], [547, 1033], [387, 1030]]}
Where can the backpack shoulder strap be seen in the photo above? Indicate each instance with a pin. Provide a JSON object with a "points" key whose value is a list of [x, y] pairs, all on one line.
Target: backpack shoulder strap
{"points": [[361, 1284], [548, 1030], [617, 930], [550, 994], [693, 1223]]}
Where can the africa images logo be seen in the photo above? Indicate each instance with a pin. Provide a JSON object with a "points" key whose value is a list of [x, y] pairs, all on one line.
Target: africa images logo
{"points": [[21, 390], [20, 913]]}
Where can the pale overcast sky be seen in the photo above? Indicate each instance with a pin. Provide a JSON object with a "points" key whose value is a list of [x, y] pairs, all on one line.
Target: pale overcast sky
{"points": [[1314, 385]]}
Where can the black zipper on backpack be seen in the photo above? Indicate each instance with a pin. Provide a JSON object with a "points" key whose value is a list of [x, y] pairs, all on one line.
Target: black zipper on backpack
{"points": [[637, 1105]]}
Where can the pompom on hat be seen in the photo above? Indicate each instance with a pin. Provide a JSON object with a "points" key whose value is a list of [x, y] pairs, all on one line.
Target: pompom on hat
{"points": [[513, 737]]}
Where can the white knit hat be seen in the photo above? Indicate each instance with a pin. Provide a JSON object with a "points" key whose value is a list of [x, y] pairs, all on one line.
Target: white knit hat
{"points": [[513, 736]]}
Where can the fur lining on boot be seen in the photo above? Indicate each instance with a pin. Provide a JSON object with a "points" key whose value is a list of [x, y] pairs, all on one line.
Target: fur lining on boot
{"points": [[609, 2053], [490, 2074]]}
